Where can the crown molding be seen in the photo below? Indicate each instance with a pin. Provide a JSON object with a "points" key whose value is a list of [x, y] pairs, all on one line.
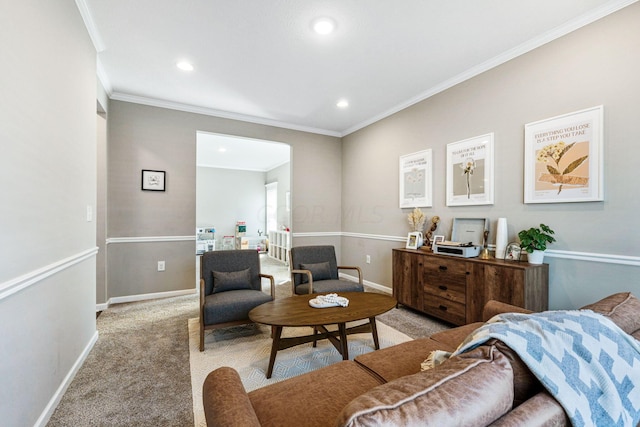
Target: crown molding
{"points": [[103, 78], [94, 34], [528, 46], [154, 102]]}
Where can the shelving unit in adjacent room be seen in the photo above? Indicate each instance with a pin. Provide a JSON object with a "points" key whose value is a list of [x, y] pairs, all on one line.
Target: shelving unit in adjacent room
{"points": [[279, 245]]}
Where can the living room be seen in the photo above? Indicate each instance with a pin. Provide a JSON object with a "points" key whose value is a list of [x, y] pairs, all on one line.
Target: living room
{"points": [[350, 200]]}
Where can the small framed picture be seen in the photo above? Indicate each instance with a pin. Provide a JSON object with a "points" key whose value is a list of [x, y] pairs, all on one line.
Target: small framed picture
{"points": [[153, 180], [412, 240], [513, 252], [436, 239]]}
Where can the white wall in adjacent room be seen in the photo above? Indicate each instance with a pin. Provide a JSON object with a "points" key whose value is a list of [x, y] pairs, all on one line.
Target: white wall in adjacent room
{"points": [[224, 196]]}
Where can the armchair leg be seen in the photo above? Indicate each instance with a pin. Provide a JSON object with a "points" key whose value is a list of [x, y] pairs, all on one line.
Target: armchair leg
{"points": [[201, 338]]}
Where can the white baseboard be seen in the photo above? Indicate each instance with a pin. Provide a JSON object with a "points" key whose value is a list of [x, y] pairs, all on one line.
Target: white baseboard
{"points": [[374, 285], [143, 297], [57, 396]]}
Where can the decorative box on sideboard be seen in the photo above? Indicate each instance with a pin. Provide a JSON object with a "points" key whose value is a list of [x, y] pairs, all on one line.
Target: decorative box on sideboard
{"points": [[456, 289]]}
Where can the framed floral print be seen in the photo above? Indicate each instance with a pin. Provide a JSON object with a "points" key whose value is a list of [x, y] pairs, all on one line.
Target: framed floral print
{"points": [[563, 159], [470, 171]]}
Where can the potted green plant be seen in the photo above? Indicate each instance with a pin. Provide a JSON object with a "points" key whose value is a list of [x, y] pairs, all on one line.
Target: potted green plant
{"points": [[534, 241]]}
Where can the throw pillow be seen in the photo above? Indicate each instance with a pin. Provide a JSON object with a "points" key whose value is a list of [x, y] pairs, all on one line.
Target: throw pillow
{"points": [[319, 271], [468, 392], [231, 280]]}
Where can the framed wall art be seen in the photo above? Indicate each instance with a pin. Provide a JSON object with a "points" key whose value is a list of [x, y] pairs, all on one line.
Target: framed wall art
{"points": [[470, 178], [153, 180], [563, 158], [416, 171]]}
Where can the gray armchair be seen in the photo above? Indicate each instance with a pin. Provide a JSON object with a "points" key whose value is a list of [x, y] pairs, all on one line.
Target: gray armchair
{"points": [[230, 287], [314, 270]]}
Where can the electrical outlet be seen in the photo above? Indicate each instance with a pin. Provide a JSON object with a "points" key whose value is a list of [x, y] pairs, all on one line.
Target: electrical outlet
{"points": [[368, 259], [160, 265]]}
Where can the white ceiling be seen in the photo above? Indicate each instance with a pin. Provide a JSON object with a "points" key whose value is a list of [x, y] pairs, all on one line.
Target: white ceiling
{"points": [[230, 152], [260, 61]]}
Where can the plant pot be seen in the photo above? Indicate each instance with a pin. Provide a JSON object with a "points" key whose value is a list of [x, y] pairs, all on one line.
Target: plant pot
{"points": [[535, 257]]}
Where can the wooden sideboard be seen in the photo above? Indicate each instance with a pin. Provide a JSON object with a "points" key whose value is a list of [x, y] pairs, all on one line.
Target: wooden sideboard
{"points": [[456, 289]]}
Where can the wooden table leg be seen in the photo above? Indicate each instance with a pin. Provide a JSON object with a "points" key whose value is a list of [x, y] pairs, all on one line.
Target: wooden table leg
{"points": [[374, 332], [277, 332], [343, 341]]}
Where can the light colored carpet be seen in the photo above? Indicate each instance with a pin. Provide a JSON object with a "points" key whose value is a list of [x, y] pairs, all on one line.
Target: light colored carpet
{"points": [[138, 372], [247, 349]]}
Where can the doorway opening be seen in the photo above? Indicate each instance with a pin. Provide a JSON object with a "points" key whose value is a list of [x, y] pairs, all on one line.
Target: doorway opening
{"points": [[234, 176]]}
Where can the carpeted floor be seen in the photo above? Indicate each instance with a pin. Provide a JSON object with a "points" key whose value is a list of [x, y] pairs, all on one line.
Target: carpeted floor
{"points": [[138, 372]]}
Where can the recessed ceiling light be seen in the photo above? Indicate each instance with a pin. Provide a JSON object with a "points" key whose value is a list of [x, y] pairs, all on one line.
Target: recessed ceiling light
{"points": [[343, 103], [324, 26], [185, 66], [222, 150]]}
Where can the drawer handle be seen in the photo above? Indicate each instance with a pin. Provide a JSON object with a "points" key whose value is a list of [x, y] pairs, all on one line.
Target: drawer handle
{"points": [[443, 308], [443, 267], [443, 287]]}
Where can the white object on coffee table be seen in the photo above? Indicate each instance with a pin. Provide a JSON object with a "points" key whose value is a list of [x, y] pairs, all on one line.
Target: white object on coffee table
{"points": [[329, 300]]}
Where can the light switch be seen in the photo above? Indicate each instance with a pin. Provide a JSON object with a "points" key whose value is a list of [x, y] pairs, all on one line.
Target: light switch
{"points": [[89, 213]]}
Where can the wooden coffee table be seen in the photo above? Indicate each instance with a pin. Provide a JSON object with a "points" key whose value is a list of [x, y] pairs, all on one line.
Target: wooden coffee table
{"points": [[295, 312]]}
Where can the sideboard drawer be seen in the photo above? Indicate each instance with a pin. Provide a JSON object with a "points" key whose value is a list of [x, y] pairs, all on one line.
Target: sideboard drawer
{"points": [[453, 275], [445, 309], [451, 290]]}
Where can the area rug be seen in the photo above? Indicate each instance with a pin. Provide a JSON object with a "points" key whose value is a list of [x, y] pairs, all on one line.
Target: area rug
{"points": [[247, 349]]}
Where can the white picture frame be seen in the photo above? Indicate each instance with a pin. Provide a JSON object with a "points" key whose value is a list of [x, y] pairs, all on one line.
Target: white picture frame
{"points": [[470, 174], [563, 159], [416, 178], [436, 239], [413, 240]]}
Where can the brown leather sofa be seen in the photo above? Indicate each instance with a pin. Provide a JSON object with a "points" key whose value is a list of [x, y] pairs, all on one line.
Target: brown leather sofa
{"points": [[486, 386]]}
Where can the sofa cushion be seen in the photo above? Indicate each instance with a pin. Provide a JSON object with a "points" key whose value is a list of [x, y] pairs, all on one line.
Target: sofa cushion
{"points": [[541, 410], [224, 281], [525, 384], [326, 286], [400, 360], [453, 337], [319, 271], [460, 392], [313, 399], [232, 306], [622, 308]]}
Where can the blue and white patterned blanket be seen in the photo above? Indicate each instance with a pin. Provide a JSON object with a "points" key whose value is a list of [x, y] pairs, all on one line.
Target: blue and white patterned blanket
{"points": [[585, 361]]}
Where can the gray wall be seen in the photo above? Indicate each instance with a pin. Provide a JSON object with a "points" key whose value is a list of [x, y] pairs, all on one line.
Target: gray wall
{"points": [[144, 227], [48, 176], [595, 65], [225, 196]]}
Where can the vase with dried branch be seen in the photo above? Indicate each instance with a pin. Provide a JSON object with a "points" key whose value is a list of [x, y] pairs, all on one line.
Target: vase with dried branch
{"points": [[416, 219]]}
